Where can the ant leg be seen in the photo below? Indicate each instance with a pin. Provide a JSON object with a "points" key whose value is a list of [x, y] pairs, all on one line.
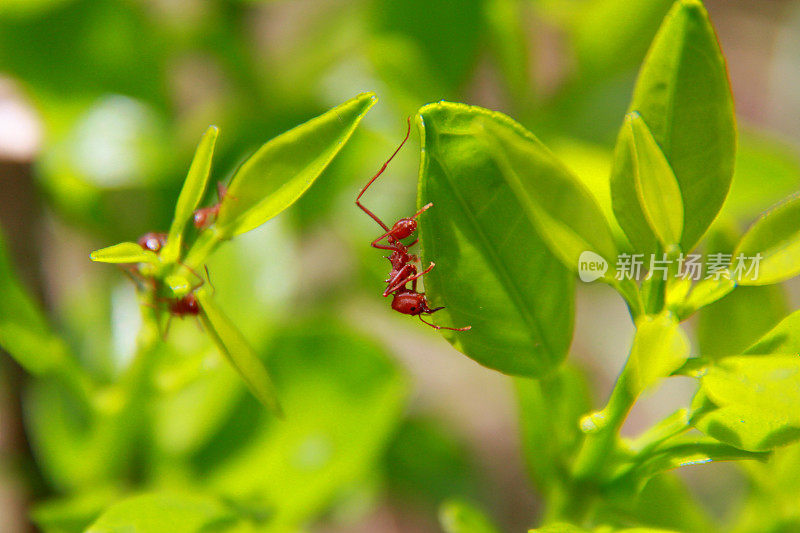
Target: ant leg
{"points": [[222, 192], [198, 276], [358, 198], [434, 326], [413, 279], [403, 276], [383, 246]]}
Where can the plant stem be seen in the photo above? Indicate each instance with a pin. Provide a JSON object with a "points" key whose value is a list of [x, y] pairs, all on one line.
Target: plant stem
{"points": [[602, 428]]}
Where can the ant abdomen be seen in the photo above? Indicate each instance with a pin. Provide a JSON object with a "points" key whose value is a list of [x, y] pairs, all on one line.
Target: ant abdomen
{"points": [[153, 241]]}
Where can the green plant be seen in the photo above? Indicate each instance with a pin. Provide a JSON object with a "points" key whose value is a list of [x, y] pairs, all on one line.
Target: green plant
{"points": [[172, 434], [509, 231]]}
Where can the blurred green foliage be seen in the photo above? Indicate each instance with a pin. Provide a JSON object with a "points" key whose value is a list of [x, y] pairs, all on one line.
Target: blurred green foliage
{"points": [[124, 88]]}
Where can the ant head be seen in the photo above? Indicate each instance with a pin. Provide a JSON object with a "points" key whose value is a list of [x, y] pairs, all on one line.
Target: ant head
{"points": [[403, 228], [153, 241], [410, 303]]}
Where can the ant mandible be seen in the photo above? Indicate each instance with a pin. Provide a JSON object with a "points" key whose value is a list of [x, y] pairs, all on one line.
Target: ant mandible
{"points": [[404, 300]]}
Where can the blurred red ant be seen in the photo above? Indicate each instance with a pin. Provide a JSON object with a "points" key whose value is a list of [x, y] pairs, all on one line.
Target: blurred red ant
{"points": [[186, 305], [205, 216], [153, 241], [404, 300]]}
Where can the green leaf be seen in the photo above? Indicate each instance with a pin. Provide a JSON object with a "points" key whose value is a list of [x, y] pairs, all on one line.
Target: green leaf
{"points": [[783, 338], [684, 96], [563, 211], [191, 194], [683, 451], [518, 304], [659, 348], [74, 512], [24, 330], [756, 398], [124, 252], [730, 325], [238, 351], [647, 198], [776, 238], [279, 173], [343, 397], [164, 511], [460, 516]]}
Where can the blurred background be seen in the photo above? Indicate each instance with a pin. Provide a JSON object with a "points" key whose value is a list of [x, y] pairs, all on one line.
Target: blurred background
{"points": [[102, 104]]}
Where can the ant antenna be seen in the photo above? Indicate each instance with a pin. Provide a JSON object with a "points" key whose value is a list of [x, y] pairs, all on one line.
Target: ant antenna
{"points": [[358, 203], [434, 326], [422, 211]]}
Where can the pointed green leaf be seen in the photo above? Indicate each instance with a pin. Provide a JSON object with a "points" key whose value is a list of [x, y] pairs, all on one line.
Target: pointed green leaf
{"points": [[684, 96], [460, 516], [775, 237], [518, 304], [563, 211], [191, 194], [756, 399], [783, 338], [165, 511], [729, 325], [277, 175], [124, 252], [238, 351], [682, 451], [647, 198]]}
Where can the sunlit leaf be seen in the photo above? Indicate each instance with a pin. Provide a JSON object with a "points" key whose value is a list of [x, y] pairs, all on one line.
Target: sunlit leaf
{"points": [[191, 194], [774, 240], [124, 252], [460, 516], [647, 199], [165, 511], [684, 96], [681, 452], [783, 338], [275, 176], [238, 351], [659, 347], [518, 304], [756, 398]]}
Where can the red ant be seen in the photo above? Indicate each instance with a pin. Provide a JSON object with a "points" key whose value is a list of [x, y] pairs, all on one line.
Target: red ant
{"points": [[188, 304], [153, 241], [404, 300], [205, 216]]}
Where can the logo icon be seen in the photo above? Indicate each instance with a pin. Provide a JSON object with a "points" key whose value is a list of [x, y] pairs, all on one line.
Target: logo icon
{"points": [[591, 266]]}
